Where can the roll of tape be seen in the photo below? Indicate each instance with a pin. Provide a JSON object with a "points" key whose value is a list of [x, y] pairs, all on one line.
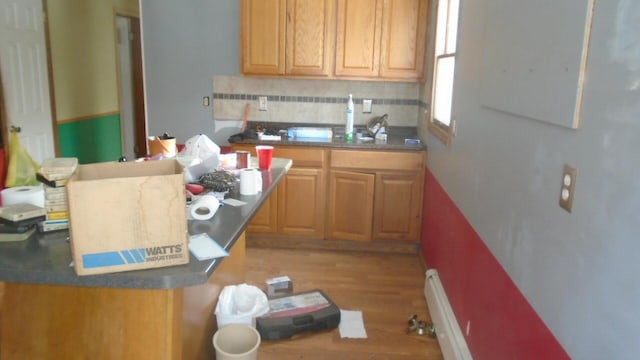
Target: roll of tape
{"points": [[204, 208], [23, 195]]}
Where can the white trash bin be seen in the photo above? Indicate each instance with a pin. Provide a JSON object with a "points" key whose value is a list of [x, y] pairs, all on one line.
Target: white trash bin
{"points": [[236, 341]]}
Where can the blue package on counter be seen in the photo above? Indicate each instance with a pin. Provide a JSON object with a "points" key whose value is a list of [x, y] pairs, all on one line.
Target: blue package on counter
{"points": [[412, 141]]}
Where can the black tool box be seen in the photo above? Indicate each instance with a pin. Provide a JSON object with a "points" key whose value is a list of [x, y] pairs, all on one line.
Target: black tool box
{"points": [[308, 311]]}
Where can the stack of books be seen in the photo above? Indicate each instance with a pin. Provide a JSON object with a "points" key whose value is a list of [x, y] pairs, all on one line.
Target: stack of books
{"points": [[54, 174], [18, 221]]}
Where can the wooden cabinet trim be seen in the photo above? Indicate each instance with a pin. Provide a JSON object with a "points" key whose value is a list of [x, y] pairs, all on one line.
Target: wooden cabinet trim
{"points": [[300, 156], [377, 160]]}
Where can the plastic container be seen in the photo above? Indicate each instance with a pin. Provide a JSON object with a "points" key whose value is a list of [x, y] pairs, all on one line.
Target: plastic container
{"points": [[236, 341], [348, 129], [240, 304]]}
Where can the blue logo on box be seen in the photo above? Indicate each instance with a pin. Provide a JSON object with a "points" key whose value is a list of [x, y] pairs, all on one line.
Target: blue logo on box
{"points": [[113, 258]]}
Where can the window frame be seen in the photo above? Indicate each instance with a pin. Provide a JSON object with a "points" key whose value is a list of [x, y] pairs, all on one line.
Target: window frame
{"points": [[438, 128]]}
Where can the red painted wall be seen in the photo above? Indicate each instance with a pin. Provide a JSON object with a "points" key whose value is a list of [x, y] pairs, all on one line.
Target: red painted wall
{"points": [[503, 324]]}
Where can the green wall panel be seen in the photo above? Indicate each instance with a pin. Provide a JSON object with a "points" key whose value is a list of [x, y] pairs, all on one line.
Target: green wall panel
{"points": [[91, 140]]}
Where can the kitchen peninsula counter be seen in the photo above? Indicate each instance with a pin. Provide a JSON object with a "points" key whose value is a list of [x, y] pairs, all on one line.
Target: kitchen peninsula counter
{"points": [[48, 312]]}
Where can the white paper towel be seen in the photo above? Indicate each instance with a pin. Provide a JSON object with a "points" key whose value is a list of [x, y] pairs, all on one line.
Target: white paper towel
{"points": [[250, 181], [352, 325], [23, 195], [204, 208]]}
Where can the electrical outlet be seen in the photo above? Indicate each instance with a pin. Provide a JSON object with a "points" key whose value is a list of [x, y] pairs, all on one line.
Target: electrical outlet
{"points": [[205, 101], [262, 103], [366, 106], [568, 187]]}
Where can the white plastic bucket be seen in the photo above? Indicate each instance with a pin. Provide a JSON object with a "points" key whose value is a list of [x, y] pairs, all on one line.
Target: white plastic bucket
{"points": [[236, 341]]}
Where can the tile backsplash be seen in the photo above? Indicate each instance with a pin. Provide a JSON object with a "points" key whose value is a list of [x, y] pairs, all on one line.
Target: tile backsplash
{"points": [[314, 101]]}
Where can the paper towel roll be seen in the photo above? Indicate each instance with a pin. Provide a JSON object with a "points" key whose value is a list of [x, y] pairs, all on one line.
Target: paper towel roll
{"points": [[204, 208], [250, 181], [23, 194]]}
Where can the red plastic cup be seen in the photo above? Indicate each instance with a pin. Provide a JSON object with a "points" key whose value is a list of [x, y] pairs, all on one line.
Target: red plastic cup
{"points": [[265, 155]]}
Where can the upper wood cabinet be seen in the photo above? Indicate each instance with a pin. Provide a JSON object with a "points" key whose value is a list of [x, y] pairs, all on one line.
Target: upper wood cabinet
{"points": [[382, 39], [262, 36], [359, 27], [404, 39], [287, 37], [346, 39]]}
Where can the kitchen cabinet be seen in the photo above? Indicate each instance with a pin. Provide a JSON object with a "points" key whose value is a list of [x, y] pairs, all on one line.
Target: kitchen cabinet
{"points": [[344, 194], [287, 37], [297, 208], [350, 205], [398, 205], [262, 24], [266, 219], [375, 195], [381, 39]]}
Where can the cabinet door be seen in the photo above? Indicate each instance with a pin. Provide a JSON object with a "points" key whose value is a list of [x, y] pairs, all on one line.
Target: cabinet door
{"points": [[404, 31], [301, 203], [350, 212], [266, 219], [262, 36], [310, 29], [398, 206], [359, 25]]}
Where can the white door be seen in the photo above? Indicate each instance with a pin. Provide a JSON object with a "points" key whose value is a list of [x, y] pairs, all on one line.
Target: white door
{"points": [[23, 62]]}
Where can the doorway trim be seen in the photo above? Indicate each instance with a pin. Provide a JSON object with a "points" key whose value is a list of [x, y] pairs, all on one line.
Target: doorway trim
{"points": [[139, 117]]}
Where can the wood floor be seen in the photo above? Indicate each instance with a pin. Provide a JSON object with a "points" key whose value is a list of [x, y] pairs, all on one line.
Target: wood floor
{"points": [[387, 288]]}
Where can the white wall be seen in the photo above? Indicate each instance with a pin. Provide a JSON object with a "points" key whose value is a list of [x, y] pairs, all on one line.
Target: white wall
{"points": [[578, 270], [185, 44]]}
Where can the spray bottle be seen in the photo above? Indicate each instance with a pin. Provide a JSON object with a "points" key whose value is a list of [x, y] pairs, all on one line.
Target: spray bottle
{"points": [[348, 130]]}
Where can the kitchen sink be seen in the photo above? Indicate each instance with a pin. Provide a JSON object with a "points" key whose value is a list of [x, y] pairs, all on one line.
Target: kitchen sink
{"points": [[310, 132]]}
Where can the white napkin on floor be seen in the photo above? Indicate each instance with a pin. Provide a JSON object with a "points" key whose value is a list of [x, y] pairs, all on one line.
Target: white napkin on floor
{"points": [[352, 325]]}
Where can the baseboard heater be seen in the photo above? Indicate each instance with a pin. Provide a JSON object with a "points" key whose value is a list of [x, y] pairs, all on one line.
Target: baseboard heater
{"points": [[450, 338]]}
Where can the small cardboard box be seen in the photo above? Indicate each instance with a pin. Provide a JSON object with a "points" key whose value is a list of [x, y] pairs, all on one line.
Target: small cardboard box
{"points": [[278, 286], [127, 216]]}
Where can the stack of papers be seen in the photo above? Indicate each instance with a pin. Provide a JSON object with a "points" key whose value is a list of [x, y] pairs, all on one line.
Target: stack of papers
{"points": [[203, 247]]}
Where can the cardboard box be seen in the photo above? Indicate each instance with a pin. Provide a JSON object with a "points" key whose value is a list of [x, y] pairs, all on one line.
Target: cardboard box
{"points": [[278, 286], [127, 216]]}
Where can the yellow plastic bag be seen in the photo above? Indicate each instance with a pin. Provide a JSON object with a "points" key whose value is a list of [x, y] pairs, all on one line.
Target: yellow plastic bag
{"points": [[22, 169]]}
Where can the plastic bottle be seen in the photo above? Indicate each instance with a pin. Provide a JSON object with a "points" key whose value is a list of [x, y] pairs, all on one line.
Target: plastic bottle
{"points": [[348, 130]]}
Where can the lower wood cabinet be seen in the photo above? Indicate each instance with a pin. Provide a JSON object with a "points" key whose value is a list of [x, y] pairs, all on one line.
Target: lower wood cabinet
{"points": [[301, 203], [297, 206], [375, 195], [398, 206], [350, 211], [266, 219], [355, 195]]}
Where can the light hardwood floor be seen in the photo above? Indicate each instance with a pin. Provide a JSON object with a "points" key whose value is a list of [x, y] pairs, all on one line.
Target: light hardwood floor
{"points": [[387, 288]]}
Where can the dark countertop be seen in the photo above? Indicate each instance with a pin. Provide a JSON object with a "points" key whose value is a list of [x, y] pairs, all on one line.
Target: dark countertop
{"points": [[45, 258], [395, 138]]}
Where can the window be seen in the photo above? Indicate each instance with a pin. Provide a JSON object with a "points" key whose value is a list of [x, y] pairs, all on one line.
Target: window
{"points": [[440, 122]]}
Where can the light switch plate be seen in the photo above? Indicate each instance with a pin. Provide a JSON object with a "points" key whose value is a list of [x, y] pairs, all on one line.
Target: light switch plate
{"points": [[366, 106], [262, 103]]}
